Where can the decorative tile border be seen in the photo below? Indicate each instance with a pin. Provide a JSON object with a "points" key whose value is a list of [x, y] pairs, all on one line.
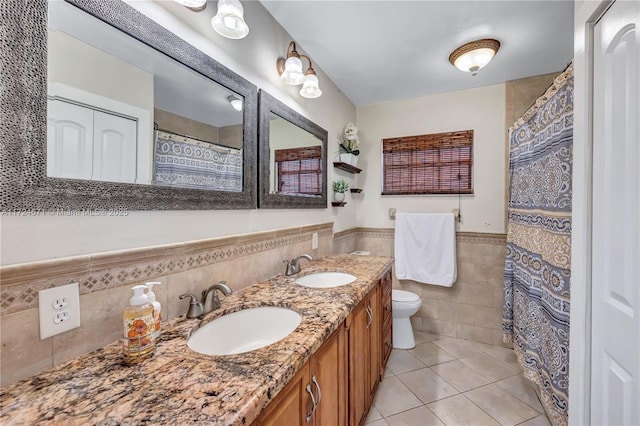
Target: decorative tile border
{"points": [[20, 284], [461, 237]]}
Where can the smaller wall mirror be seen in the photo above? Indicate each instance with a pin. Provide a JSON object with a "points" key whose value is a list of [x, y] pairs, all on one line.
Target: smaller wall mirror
{"points": [[292, 156]]}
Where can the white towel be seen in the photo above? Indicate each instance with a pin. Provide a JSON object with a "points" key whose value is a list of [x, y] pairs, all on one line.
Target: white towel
{"points": [[425, 248]]}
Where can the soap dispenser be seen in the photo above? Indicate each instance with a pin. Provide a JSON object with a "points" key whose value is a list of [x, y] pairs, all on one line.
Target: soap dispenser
{"points": [[157, 308], [139, 326]]}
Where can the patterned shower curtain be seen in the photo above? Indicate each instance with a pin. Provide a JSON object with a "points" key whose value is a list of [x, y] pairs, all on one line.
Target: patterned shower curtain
{"points": [[537, 266], [184, 162]]}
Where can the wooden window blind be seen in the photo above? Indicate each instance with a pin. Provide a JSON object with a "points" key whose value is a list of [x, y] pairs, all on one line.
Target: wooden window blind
{"points": [[299, 170], [438, 163]]}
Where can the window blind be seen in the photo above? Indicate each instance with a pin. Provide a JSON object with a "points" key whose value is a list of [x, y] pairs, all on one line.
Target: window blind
{"points": [[438, 163], [299, 170]]}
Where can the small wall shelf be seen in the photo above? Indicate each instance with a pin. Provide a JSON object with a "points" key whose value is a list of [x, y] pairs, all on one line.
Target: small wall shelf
{"points": [[355, 190], [346, 167], [337, 204]]}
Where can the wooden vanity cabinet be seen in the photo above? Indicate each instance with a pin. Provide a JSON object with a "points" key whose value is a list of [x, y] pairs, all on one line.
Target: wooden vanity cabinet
{"points": [[369, 328], [324, 375]]}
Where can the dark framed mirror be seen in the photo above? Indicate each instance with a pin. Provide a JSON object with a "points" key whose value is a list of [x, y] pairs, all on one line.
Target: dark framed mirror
{"points": [[292, 156], [119, 112]]}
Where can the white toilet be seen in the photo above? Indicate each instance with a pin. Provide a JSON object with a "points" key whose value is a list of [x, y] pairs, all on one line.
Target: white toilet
{"points": [[403, 305]]}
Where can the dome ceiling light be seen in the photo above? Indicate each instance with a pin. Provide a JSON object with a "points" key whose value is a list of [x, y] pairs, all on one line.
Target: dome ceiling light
{"points": [[472, 56]]}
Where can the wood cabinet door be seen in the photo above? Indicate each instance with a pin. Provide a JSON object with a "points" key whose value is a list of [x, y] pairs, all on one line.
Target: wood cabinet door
{"points": [[358, 363], [329, 379], [375, 337], [292, 404]]}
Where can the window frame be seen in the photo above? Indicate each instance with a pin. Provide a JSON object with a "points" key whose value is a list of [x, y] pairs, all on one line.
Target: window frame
{"points": [[302, 153]]}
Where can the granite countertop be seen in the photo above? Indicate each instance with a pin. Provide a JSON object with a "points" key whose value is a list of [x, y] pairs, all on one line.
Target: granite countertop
{"points": [[180, 386]]}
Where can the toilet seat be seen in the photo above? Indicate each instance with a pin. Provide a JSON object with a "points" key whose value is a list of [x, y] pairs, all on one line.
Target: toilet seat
{"points": [[404, 296]]}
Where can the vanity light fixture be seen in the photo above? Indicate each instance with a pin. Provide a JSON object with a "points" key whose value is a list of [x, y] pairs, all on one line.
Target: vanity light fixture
{"points": [[472, 56], [290, 70], [195, 5], [235, 101], [229, 21]]}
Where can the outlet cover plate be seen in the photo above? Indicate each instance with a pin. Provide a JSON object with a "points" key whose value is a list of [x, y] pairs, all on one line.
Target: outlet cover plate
{"points": [[314, 241], [59, 309]]}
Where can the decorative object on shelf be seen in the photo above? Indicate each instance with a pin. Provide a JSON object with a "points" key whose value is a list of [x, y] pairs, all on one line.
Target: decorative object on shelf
{"points": [[339, 188], [346, 167], [290, 71], [349, 145], [229, 21], [472, 56]]}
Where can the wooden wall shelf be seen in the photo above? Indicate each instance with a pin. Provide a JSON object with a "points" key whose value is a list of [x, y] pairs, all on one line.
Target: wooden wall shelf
{"points": [[336, 204], [355, 190], [346, 167]]}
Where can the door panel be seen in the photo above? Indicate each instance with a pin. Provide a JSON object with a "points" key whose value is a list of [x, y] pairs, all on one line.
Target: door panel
{"points": [[69, 134], [615, 390], [114, 148]]}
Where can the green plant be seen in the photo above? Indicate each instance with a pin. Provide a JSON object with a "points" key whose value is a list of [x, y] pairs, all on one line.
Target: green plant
{"points": [[340, 185]]}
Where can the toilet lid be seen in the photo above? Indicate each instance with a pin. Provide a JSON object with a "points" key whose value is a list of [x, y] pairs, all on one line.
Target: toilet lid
{"points": [[404, 296]]}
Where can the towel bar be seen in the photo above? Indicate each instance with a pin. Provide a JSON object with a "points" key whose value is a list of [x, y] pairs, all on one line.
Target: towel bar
{"points": [[456, 214]]}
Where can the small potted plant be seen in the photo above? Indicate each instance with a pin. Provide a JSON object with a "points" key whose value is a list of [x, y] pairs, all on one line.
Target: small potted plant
{"points": [[339, 188], [349, 144]]}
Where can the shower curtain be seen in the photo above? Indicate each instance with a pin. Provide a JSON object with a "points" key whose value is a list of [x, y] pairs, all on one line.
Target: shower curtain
{"points": [[185, 162], [537, 266]]}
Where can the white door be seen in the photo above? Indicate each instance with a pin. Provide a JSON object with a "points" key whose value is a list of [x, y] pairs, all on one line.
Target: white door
{"points": [[615, 371], [114, 152], [69, 140]]}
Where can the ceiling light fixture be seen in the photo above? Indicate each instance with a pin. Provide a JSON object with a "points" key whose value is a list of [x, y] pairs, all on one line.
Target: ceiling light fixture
{"points": [[290, 70], [229, 21], [195, 5], [235, 101], [474, 55]]}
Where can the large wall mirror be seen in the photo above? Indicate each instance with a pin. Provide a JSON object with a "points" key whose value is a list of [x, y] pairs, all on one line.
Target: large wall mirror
{"points": [[135, 117], [293, 158]]}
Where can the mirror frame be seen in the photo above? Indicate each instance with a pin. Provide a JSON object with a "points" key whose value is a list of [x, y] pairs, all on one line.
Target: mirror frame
{"points": [[25, 185], [268, 105]]}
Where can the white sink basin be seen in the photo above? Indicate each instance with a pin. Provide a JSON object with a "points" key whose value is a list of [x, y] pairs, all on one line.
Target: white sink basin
{"points": [[325, 279], [244, 331]]}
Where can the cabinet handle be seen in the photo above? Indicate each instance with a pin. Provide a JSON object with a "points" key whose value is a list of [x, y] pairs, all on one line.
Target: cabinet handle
{"points": [[370, 315], [315, 382], [313, 401]]}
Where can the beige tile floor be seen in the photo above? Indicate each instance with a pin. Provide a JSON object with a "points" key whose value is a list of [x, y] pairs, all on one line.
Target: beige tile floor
{"points": [[448, 381]]}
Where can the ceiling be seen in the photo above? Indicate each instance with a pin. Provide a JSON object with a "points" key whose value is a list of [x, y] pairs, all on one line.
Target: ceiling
{"points": [[378, 51]]}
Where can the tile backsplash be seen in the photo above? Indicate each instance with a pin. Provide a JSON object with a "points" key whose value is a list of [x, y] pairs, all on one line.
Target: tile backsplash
{"points": [[471, 309]]}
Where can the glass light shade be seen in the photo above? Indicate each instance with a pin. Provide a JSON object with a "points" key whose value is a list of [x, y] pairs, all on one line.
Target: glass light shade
{"points": [[292, 73], [236, 102], [229, 21], [310, 87], [194, 4], [473, 60]]}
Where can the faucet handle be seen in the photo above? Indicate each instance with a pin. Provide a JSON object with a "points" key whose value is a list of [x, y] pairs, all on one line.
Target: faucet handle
{"points": [[195, 307]]}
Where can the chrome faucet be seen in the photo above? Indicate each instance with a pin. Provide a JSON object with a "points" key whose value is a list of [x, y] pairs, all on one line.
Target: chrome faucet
{"points": [[293, 266], [209, 302]]}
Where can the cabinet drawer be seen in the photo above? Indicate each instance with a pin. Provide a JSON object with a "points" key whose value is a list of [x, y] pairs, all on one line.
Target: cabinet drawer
{"points": [[386, 307], [387, 343]]}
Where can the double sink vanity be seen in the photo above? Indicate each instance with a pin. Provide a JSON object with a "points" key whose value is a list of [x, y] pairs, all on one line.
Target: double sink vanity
{"points": [[277, 352]]}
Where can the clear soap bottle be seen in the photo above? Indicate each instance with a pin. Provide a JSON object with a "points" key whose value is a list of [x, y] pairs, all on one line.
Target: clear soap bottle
{"points": [[139, 327]]}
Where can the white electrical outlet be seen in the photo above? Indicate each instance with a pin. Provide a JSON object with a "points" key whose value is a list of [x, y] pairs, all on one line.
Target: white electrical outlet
{"points": [[59, 309], [314, 241]]}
